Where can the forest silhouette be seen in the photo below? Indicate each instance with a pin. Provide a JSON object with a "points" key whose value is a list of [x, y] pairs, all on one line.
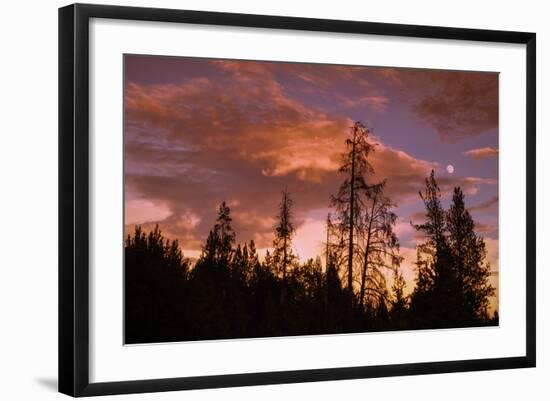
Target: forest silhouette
{"points": [[230, 293]]}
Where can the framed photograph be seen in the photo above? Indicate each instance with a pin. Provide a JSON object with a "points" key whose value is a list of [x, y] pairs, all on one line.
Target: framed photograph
{"points": [[250, 199]]}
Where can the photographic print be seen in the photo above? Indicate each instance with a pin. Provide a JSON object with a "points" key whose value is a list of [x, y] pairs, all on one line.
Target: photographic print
{"points": [[267, 199]]}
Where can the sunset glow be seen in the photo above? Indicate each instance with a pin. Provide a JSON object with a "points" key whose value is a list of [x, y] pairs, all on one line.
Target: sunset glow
{"points": [[200, 131]]}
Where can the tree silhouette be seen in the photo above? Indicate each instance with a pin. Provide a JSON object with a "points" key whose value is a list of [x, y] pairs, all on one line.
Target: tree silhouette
{"points": [[218, 248], [348, 201], [468, 260], [284, 231], [225, 233], [434, 300], [230, 292], [154, 280], [253, 265], [380, 246], [399, 305], [240, 264], [452, 287]]}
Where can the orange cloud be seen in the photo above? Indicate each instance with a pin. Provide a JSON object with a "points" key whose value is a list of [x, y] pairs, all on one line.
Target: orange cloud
{"points": [[482, 153], [239, 136]]}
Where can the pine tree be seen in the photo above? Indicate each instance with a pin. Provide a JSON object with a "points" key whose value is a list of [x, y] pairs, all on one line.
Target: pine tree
{"points": [[348, 202], [284, 231], [254, 266], [452, 286], [218, 248], [434, 300], [379, 244], [468, 260], [155, 274], [398, 311], [225, 232], [435, 226], [239, 264], [210, 248]]}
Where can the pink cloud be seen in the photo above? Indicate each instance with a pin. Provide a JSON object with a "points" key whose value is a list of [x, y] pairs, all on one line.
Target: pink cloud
{"points": [[482, 153], [240, 137]]}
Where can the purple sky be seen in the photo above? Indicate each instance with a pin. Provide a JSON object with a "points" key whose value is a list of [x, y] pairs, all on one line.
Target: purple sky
{"points": [[200, 131]]}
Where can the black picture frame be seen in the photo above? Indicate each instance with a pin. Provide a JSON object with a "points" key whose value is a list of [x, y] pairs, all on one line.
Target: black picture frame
{"points": [[74, 201]]}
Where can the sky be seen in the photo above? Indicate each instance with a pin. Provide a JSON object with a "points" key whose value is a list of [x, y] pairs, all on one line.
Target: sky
{"points": [[201, 131]]}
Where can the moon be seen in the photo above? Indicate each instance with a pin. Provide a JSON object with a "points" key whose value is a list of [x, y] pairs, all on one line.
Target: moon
{"points": [[450, 169]]}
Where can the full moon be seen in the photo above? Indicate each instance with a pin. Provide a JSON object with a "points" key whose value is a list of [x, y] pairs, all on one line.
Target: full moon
{"points": [[450, 169]]}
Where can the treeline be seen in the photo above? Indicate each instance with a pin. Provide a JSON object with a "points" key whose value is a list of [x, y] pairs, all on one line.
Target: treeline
{"points": [[230, 293]]}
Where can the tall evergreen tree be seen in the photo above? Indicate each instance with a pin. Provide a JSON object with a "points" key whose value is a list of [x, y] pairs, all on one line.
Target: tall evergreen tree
{"points": [[219, 243], [225, 232], [284, 231], [434, 300], [468, 255], [348, 201]]}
